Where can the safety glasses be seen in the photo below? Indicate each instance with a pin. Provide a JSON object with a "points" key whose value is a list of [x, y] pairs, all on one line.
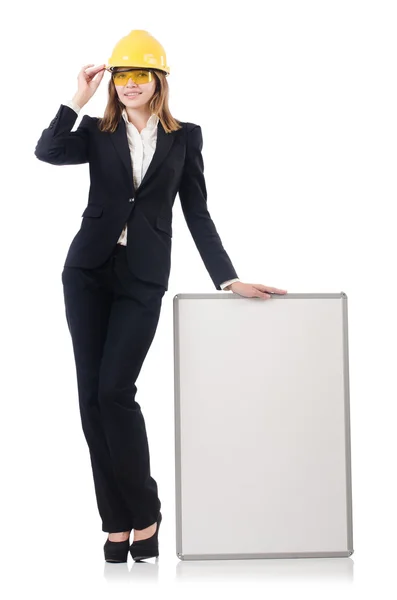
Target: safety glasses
{"points": [[137, 75]]}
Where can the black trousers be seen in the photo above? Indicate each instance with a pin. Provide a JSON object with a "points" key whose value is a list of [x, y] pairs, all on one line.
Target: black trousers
{"points": [[112, 318]]}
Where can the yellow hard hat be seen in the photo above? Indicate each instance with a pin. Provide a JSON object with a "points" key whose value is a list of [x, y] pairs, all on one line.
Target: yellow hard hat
{"points": [[138, 49]]}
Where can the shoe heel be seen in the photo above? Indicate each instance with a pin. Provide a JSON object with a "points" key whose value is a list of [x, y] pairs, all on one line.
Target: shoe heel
{"points": [[148, 548]]}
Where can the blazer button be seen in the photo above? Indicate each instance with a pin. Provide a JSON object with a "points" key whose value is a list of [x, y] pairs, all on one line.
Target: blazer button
{"points": [[131, 200]]}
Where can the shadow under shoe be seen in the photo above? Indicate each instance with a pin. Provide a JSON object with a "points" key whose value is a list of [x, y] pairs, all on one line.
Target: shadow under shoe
{"points": [[116, 551], [147, 548]]}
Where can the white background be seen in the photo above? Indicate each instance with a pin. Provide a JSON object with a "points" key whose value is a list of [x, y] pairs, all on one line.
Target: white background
{"points": [[297, 104]]}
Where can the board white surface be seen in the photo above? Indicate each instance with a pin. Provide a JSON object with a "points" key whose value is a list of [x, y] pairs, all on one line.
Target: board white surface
{"points": [[262, 426]]}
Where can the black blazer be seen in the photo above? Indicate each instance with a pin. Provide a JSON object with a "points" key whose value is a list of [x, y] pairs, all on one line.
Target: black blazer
{"points": [[177, 166]]}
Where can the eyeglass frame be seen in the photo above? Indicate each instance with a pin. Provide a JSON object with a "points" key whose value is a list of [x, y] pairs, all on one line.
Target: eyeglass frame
{"points": [[126, 69], [112, 72], [109, 70]]}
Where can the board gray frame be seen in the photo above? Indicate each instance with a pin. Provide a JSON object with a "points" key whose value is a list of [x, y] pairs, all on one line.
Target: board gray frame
{"points": [[223, 297]]}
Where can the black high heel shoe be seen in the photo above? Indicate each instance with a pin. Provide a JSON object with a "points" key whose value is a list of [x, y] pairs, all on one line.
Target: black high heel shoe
{"points": [[116, 551], [147, 548]]}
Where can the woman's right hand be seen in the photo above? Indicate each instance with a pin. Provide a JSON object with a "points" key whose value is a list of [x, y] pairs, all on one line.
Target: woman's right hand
{"points": [[88, 81]]}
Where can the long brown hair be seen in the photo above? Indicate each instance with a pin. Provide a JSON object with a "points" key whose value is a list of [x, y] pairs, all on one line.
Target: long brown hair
{"points": [[158, 105]]}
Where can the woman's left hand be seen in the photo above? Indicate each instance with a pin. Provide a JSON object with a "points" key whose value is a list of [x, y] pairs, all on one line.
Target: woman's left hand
{"points": [[252, 290]]}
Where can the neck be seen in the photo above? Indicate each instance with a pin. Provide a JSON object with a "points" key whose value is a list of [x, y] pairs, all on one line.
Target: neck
{"points": [[138, 116]]}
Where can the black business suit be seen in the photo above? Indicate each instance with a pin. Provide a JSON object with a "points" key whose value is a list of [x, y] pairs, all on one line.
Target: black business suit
{"points": [[113, 293]]}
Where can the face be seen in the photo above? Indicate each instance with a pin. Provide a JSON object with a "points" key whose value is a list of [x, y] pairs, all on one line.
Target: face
{"points": [[144, 92]]}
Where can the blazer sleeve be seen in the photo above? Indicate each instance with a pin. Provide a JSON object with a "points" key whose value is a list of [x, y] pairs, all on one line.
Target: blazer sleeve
{"points": [[58, 145], [193, 197]]}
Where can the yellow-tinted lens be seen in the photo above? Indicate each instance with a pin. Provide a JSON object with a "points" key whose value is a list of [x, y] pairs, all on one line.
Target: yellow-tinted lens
{"points": [[138, 76]]}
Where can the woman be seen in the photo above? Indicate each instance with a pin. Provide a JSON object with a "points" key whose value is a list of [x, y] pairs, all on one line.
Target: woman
{"points": [[117, 267]]}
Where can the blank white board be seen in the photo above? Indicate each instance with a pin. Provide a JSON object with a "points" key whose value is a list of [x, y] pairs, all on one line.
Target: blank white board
{"points": [[262, 426]]}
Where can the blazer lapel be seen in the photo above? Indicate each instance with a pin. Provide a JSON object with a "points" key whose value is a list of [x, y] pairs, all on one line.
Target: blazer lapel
{"points": [[163, 147]]}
